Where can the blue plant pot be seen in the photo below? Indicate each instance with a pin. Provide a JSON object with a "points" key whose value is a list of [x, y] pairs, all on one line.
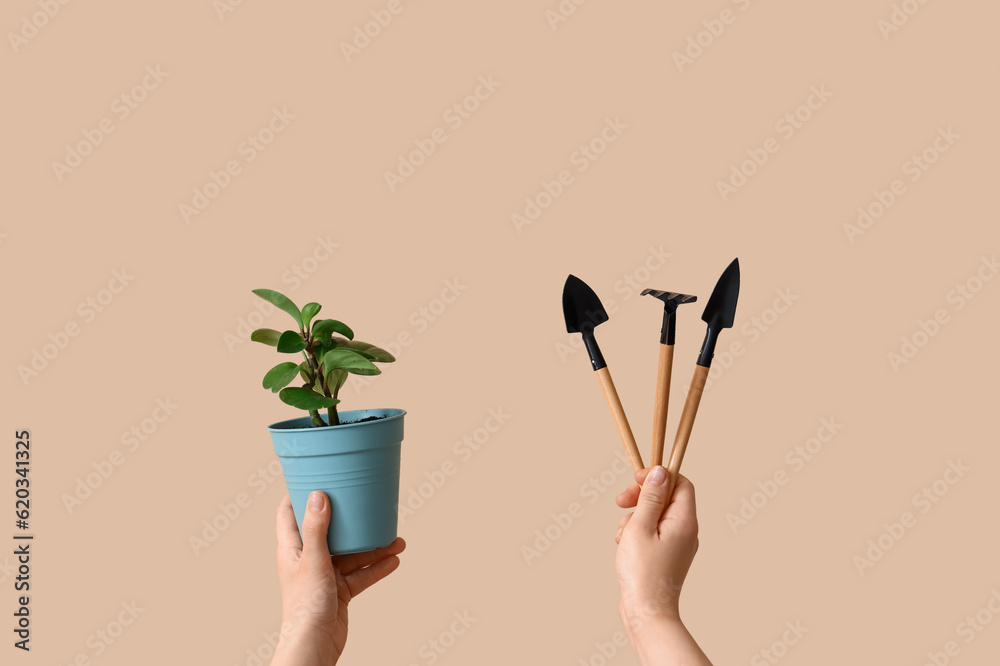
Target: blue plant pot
{"points": [[355, 464]]}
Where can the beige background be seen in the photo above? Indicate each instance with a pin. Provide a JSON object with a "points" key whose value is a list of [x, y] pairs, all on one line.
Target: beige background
{"points": [[500, 343]]}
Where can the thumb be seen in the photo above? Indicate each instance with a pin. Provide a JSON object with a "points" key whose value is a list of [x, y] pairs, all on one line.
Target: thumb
{"points": [[652, 500], [315, 524]]}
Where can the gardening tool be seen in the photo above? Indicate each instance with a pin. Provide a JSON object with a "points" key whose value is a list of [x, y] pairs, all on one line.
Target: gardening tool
{"points": [[719, 314], [584, 312], [670, 302]]}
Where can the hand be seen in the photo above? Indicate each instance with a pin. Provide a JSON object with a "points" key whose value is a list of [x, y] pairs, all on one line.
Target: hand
{"points": [[316, 588], [656, 544]]}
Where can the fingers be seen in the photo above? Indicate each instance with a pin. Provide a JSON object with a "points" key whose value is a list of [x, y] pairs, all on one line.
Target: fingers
{"points": [[360, 580], [652, 501], [681, 506], [682, 503], [354, 561], [288, 532], [315, 524], [621, 526], [630, 495]]}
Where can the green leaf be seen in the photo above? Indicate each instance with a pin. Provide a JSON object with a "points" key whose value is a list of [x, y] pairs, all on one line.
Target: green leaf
{"points": [[325, 327], [305, 398], [320, 348], [309, 310], [350, 360], [280, 375], [291, 342], [310, 380], [282, 302], [268, 336], [371, 351], [336, 379]]}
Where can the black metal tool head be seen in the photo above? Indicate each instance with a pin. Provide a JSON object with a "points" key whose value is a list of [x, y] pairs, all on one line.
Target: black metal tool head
{"points": [[581, 306], [584, 311], [720, 311], [671, 299]]}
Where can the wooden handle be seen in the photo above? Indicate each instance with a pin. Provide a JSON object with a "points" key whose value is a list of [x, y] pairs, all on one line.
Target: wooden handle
{"points": [[685, 426], [618, 413], [661, 402]]}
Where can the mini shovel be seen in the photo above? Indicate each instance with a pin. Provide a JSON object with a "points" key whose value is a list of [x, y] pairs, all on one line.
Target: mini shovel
{"points": [[720, 311], [583, 311], [670, 302]]}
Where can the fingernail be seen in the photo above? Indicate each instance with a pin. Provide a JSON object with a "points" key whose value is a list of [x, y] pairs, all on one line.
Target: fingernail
{"points": [[316, 501], [657, 475]]}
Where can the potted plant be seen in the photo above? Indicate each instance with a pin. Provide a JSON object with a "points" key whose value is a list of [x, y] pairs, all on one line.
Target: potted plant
{"points": [[352, 456]]}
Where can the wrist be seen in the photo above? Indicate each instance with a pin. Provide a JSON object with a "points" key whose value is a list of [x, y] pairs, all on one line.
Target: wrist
{"points": [[298, 647], [648, 618], [662, 640]]}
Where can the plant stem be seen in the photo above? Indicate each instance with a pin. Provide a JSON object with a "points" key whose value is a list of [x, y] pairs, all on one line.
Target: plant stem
{"points": [[333, 410], [314, 363]]}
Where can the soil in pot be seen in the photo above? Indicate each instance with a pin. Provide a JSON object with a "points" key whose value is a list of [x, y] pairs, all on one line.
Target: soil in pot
{"points": [[367, 418]]}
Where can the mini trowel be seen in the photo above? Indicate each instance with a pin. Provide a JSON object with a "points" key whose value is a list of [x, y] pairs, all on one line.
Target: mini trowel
{"points": [[584, 312], [720, 311], [670, 302]]}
